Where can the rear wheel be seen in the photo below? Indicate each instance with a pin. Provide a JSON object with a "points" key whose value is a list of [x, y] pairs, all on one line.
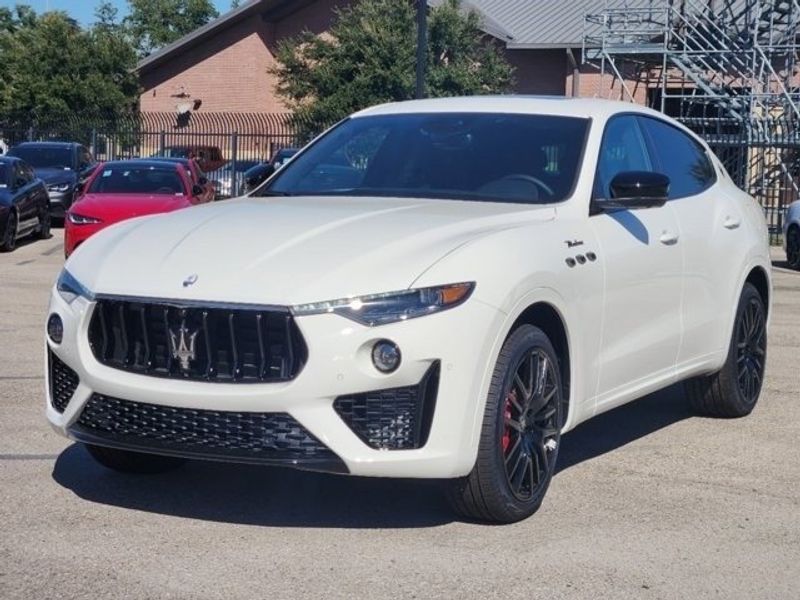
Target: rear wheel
{"points": [[45, 223], [127, 461], [793, 247], [734, 390], [9, 241], [520, 436]]}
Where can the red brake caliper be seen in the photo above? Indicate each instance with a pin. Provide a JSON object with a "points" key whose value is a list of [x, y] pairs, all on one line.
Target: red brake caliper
{"points": [[506, 439]]}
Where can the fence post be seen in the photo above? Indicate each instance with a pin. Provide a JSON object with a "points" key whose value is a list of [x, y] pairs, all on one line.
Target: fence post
{"points": [[162, 141], [93, 143], [234, 156], [30, 133]]}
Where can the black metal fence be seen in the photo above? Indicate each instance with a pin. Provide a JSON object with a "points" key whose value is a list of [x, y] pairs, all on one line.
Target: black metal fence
{"points": [[241, 138]]}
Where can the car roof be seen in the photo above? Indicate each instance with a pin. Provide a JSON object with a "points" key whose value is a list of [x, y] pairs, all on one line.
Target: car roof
{"points": [[5, 159], [514, 104], [142, 162], [64, 145], [168, 159]]}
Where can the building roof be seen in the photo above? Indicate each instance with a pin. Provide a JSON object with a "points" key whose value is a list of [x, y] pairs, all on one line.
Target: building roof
{"points": [[520, 24], [548, 23], [266, 8]]}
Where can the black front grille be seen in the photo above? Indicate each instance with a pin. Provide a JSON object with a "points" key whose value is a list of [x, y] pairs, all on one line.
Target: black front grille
{"points": [[63, 382], [218, 344], [238, 436], [392, 419]]}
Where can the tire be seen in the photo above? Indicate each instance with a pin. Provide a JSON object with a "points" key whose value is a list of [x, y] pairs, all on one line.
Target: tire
{"points": [[9, 240], [733, 391], [793, 247], [45, 223], [518, 448], [126, 461]]}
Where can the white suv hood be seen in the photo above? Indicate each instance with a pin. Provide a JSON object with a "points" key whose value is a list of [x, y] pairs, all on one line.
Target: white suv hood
{"points": [[287, 251]]}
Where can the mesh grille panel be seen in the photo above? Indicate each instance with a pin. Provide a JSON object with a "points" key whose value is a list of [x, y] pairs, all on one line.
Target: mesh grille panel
{"points": [[217, 433], [63, 383]]}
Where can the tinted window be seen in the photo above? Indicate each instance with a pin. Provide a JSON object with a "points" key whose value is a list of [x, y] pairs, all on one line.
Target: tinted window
{"points": [[472, 156], [127, 179], [3, 175], [622, 149], [680, 158], [44, 157]]}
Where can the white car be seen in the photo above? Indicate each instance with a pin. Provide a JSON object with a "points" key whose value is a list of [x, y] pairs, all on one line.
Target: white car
{"points": [[432, 289], [791, 234]]}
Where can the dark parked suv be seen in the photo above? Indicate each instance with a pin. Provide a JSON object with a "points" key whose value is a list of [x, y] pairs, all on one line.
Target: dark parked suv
{"points": [[61, 165]]}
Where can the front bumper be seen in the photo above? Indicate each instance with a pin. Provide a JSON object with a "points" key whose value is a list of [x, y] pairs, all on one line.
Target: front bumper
{"points": [[60, 203], [458, 342]]}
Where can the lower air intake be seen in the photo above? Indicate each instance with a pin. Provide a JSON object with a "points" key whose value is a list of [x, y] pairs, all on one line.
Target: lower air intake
{"points": [[63, 382], [392, 419]]}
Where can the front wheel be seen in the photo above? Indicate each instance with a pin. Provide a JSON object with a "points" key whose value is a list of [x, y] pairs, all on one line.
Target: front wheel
{"points": [[734, 390], [9, 239], [45, 224], [520, 436], [793, 247]]}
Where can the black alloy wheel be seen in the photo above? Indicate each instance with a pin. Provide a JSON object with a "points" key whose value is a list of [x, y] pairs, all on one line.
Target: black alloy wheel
{"points": [[520, 436], [733, 391], [793, 247], [529, 437], [45, 224], [9, 241], [751, 350]]}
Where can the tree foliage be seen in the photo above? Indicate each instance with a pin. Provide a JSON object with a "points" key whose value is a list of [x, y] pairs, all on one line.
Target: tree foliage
{"points": [[370, 57], [52, 68], [155, 23]]}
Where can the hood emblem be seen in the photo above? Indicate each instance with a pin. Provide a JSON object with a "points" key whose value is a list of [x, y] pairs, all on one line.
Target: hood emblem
{"points": [[190, 280], [182, 345]]}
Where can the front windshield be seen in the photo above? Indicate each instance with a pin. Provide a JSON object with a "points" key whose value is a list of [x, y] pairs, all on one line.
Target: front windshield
{"points": [[43, 157], [471, 156], [127, 179]]}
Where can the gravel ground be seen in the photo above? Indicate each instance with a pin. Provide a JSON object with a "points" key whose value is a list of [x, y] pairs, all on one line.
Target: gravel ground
{"points": [[649, 502]]}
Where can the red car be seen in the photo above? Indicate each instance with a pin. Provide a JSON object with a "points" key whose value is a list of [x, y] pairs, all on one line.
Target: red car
{"points": [[125, 189]]}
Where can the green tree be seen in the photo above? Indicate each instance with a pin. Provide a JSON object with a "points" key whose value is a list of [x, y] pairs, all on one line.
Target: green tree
{"points": [[370, 58], [53, 70], [155, 23]]}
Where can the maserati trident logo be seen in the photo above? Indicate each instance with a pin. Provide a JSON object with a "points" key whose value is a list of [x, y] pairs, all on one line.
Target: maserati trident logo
{"points": [[182, 345]]}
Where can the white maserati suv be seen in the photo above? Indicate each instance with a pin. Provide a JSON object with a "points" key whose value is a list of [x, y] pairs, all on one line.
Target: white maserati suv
{"points": [[431, 289]]}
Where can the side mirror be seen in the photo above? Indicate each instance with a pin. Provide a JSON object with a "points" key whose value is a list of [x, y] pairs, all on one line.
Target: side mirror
{"points": [[197, 190], [637, 189], [258, 176], [203, 181]]}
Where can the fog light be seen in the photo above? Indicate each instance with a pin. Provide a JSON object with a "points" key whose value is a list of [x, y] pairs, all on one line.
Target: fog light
{"points": [[386, 356], [55, 328]]}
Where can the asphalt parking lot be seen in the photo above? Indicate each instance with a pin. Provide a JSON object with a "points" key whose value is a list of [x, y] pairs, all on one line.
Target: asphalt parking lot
{"points": [[649, 502]]}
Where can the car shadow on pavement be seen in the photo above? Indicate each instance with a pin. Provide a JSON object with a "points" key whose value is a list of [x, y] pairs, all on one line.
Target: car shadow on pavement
{"points": [[274, 497], [609, 431]]}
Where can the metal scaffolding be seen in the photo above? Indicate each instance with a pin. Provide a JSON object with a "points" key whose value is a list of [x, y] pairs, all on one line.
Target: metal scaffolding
{"points": [[728, 69]]}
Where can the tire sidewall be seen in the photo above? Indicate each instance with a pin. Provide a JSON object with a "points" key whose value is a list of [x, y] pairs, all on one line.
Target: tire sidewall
{"points": [[749, 293], [9, 241]]}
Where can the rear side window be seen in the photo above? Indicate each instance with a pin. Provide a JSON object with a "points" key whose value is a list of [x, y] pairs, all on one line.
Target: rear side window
{"points": [[679, 157]]}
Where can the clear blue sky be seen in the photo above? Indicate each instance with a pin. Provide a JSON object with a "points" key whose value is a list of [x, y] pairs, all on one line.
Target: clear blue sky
{"points": [[83, 10]]}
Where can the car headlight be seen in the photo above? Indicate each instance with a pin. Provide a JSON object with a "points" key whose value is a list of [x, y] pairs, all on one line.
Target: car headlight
{"points": [[77, 219], [70, 288], [58, 187], [380, 309]]}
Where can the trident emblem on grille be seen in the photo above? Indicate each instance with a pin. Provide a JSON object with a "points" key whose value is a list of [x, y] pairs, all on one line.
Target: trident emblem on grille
{"points": [[182, 345]]}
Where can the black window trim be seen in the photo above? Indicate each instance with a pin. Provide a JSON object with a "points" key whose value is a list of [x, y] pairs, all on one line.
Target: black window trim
{"points": [[657, 160]]}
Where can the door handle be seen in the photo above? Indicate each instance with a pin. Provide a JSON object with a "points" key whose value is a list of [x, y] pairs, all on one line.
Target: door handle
{"points": [[732, 223], [668, 238]]}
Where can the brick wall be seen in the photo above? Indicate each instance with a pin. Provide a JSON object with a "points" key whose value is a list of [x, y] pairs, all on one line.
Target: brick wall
{"points": [[229, 72]]}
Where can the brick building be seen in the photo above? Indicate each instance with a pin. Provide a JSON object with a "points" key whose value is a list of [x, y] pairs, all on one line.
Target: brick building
{"points": [[223, 66]]}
